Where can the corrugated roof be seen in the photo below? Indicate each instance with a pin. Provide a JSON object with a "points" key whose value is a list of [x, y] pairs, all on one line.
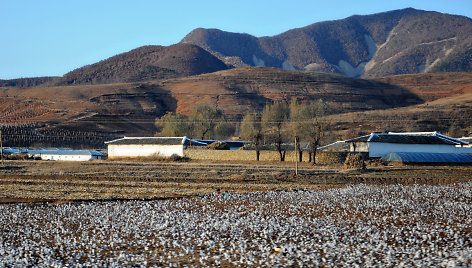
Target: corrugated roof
{"points": [[409, 138], [428, 157], [149, 140], [66, 152]]}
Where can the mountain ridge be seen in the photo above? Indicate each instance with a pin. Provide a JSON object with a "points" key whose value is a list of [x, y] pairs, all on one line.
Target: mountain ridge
{"points": [[387, 43]]}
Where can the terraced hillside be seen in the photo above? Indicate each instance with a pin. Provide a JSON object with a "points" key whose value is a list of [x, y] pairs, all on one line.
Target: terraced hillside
{"points": [[113, 110]]}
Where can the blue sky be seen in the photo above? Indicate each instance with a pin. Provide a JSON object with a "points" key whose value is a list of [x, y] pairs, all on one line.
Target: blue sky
{"points": [[52, 37]]}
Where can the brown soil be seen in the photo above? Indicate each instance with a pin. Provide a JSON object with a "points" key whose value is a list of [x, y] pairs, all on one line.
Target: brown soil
{"points": [[41, 181]]}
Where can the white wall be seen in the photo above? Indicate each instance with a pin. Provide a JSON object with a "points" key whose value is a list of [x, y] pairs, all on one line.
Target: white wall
{"points": [[66, 157], [378, 149], [359, 147], [135, 150]]}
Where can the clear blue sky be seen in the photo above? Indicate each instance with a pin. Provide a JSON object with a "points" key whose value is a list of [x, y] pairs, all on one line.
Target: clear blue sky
{"points": [[52, 37]]}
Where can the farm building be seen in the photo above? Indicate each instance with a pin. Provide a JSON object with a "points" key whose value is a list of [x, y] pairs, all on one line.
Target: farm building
{"points": [[66, 155], [380, 144], [147, 146]]}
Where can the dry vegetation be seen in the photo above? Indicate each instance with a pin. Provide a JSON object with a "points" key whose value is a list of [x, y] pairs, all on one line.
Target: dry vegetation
{"points": [[108, 180]]}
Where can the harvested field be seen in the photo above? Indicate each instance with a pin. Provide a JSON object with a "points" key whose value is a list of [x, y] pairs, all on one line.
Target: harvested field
{"points": [[36, 181], [362, 225]]}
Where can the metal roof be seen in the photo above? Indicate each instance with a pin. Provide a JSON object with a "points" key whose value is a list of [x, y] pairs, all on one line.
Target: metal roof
{"points": [[410, 138], [428, 157], [149, 140], [66, 152]]}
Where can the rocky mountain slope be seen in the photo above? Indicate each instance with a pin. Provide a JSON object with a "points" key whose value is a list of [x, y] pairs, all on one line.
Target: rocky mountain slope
{"points": [[396, 42]]}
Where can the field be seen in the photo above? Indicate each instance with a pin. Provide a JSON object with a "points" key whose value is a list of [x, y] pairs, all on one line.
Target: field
{"points": [[131, 213], [36, 181]]}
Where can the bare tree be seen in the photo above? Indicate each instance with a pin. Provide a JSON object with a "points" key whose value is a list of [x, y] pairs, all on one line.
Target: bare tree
{"points": [[273, 120], [315, 126], [251, 129], [296, 124]]}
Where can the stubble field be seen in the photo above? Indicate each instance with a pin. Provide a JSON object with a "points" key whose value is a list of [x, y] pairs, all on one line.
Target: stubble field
{"points": [[37, 181]]}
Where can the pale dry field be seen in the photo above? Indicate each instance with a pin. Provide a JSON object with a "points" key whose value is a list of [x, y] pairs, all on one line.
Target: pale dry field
{"points": [[356, 226]]}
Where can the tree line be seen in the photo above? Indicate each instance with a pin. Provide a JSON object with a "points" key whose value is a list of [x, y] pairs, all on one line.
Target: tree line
{"points": [[277, 124]]}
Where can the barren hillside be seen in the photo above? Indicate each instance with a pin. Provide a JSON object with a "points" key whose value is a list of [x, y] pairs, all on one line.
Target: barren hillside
{"points": [[95, 113]]}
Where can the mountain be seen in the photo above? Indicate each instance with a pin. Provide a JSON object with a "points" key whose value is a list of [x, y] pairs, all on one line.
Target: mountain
{"points": [[146, 63], [396, 42]]}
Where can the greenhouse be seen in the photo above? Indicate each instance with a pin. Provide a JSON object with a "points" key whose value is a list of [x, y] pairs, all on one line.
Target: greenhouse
{"points": [[409, 157]]}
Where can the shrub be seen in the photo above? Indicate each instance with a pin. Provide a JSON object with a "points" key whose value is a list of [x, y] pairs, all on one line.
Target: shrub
{"points": [[177, 158], [354, 161]]}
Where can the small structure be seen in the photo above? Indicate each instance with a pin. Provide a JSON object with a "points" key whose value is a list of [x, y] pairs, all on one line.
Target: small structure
{"points": [[147, 146], [66, 155], [380, 144]]}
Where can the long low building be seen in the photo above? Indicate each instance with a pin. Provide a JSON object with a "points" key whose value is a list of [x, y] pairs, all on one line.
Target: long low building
{"points": [[147, 146], [380, 144], [67, 155]]}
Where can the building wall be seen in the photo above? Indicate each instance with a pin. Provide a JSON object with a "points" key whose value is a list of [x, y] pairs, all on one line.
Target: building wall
{"points": [[378, 149], [359, 147], [137, 150]]}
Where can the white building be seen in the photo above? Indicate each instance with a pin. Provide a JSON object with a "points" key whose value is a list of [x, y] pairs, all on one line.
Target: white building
{"points": [[67, 155], [380, 144], [147, 146]]}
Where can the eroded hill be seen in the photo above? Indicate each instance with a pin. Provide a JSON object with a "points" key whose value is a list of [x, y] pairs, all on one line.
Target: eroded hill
{"points": [[90, 114]]}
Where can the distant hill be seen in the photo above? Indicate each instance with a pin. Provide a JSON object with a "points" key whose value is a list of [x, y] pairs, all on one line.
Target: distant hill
{"points": [[238, 90], [30, 82], [147, 63], [397, 42], [87, 115]]}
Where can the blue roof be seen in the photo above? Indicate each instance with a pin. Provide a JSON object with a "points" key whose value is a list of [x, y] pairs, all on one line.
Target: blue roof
{"points": [[67, 152], [428, 157]]}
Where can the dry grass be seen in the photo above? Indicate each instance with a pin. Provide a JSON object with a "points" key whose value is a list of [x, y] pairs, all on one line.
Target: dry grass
{"points": [[24, 181]]}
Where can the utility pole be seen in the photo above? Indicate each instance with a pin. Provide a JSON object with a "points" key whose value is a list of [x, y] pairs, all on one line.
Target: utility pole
{"points": [[296, 157], [1, 146]]}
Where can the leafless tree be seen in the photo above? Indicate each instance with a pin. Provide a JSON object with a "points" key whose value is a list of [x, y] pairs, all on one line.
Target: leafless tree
{"points": [[273, 120], [251, 129]]}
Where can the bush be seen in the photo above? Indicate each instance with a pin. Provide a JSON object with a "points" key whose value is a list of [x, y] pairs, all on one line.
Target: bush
{"points": [[354, 161], [177, 158]]}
